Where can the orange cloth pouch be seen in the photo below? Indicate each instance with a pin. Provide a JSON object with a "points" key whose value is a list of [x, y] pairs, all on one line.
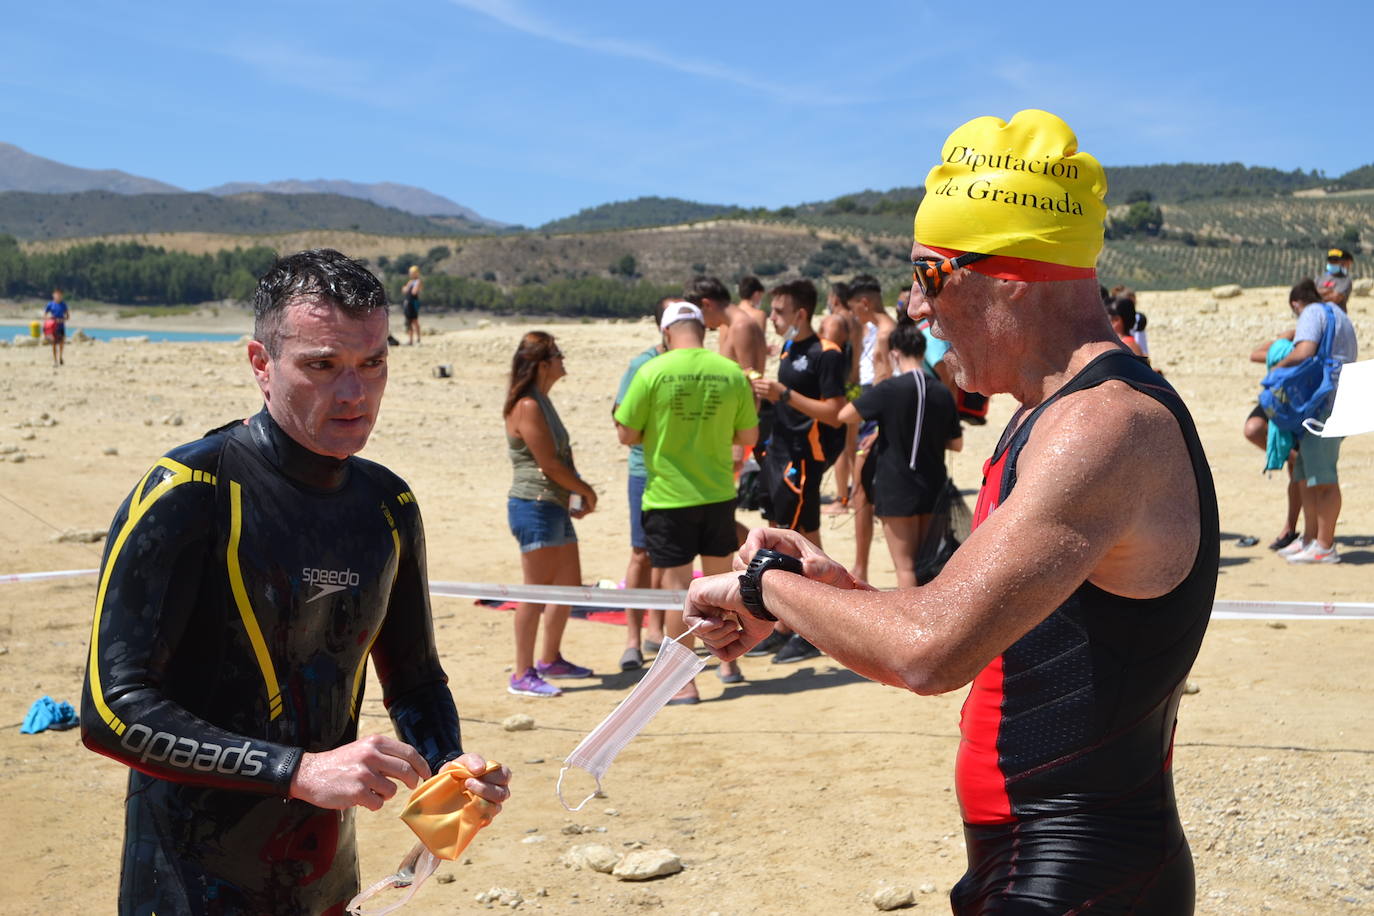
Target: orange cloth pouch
{"points": [[444, 814]]}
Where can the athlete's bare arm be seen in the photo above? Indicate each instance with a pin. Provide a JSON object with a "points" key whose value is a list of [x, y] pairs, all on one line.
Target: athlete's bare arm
{"points": [[827, 410], [1069, 519], [747, 344]]}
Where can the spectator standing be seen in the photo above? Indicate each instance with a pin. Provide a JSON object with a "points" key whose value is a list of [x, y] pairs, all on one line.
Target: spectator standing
{"points": [[866, 302], [1315, 467], [807, 433], [639, 573], [689, 407], [546, 494], [410, 304], [55, 315], [904, 470], [1335, 283], [751, 301]]}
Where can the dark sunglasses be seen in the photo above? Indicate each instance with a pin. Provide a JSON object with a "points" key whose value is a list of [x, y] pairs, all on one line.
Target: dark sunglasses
{"points": [[556, 354], [929, 273]]}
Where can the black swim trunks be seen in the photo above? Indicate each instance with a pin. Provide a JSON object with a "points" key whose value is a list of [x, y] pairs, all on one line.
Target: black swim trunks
{"points": [[245, 583], [1064, 770]]}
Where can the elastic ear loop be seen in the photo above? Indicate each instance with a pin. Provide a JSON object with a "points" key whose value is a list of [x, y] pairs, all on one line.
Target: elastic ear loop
{"points": [[559, 786], [422, 864]]}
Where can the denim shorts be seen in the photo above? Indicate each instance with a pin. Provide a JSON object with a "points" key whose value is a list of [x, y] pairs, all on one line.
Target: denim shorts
{"points": [[636, 495], [538, 523]]}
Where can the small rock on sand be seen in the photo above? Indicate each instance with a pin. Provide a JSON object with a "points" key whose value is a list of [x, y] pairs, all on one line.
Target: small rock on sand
{"points": [[647, 863], [894, 898], [591, 857], [518, 723]]}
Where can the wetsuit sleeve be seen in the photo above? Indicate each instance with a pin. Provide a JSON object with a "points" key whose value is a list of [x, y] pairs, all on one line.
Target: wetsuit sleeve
{"points": [[414, 686], [146, 603]]}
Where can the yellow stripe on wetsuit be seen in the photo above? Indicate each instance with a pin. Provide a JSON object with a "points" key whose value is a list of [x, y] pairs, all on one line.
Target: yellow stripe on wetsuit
{"points": [[139, 504], [250, 620], [362, 662]]}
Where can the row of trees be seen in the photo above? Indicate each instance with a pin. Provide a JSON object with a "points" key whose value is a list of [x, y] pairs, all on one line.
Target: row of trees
{"points": [[130, 273]]}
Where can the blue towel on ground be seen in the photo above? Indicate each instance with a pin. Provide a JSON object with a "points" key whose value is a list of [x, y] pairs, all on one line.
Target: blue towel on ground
{"points": [[47, 713]]}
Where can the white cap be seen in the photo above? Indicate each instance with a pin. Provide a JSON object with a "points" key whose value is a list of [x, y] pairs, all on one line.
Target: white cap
{"points": [[680, 311]]}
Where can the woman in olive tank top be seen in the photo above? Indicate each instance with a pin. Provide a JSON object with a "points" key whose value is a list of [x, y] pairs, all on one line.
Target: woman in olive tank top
{"points": [[546, 494]]}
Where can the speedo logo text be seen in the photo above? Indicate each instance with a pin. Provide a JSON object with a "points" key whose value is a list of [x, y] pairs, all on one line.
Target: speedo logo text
{"points": [[180, 751], [328, 581]]}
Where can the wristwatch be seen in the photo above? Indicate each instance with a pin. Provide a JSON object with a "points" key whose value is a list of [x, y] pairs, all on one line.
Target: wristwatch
{"points": [[751, 580], [783, 399]]}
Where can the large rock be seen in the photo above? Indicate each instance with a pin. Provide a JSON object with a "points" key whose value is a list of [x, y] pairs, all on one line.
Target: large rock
{"points": [[1363, 286], [644, 864], [1227, 291], [592, 857]]}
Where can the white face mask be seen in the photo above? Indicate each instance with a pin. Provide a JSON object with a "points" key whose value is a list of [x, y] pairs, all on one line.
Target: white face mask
{"points": [[673, 668]]}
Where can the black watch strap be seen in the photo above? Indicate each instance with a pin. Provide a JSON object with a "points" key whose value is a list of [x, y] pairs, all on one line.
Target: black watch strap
{"points": [[751, 580]]}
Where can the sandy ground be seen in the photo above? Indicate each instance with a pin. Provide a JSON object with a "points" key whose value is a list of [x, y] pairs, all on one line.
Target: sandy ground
{"points": [[804, 789]]}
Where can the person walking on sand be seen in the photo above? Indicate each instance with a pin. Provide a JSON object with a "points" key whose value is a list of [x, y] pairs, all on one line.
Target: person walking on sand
{"points": [[1075, 614], [55, 315], [246, 581], [410, 305], [688, 408], [546, 494]]}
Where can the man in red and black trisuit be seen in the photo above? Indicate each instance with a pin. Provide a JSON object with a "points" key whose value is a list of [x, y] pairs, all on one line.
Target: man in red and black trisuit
{"points": [[247, 579], [1075, 613]]}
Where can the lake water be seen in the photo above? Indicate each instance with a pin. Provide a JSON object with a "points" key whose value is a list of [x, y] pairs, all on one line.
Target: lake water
{"points": [[8, 331]]}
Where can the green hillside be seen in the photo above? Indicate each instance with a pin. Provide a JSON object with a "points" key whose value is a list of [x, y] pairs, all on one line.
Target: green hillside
{"points": [[27, 215], [638, 213]]}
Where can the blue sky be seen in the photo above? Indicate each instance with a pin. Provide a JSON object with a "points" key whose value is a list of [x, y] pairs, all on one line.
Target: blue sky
{"points": [[528, 110]]}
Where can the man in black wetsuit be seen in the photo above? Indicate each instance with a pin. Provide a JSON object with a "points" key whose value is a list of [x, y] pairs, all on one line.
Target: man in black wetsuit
{"points": [[246, 580], [1078, 604]]}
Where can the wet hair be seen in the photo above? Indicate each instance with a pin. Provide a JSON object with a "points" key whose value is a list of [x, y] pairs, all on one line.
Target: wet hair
{"points": [[908, 340], [1304, 292], [535, 348], [748, 286], [699, 288], [867, 286], [801, 292], [321, 273]]}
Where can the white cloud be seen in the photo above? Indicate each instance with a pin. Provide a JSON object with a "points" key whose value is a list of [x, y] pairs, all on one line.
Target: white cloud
{"points": [[512, 15]]}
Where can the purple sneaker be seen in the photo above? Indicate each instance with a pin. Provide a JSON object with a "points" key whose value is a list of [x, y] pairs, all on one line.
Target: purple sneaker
{"points": [[531, 684], [561, 668]]}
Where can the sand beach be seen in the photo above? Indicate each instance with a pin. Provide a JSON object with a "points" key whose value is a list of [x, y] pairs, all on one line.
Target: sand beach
{"points": [[804, 789]]}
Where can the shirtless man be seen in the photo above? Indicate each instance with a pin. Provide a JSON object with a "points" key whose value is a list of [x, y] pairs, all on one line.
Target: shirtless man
{"points": [[740, 338], [1076, 614], [866, 302], [751, 301]]}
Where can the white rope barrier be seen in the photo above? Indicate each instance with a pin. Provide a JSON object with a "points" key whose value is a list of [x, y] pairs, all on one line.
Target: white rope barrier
{"points": [[658, 599]]}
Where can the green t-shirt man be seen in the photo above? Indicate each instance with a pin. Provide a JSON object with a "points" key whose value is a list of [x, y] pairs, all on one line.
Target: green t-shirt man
{"points": [[688, 403]]}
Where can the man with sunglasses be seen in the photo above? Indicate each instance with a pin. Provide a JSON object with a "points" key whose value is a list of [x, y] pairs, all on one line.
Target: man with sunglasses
{"points": [[1075, 614]]}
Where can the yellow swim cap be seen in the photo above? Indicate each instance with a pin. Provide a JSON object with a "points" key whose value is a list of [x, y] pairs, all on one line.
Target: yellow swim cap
{"points": [[1020, 189]]}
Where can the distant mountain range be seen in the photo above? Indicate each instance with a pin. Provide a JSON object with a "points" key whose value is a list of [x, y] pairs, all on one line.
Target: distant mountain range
{"points": [[23, 171]]}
